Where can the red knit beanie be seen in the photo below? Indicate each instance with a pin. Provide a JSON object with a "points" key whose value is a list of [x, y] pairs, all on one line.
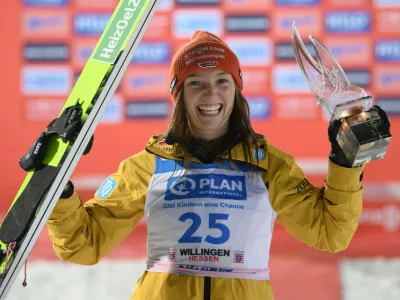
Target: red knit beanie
{"points": [[205, 51]]}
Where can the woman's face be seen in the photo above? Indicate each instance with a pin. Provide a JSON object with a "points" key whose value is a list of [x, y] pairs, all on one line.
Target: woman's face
{"points": [[208, 98]]}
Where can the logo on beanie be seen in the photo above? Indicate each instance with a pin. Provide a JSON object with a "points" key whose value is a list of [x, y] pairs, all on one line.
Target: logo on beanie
{"points": [[202, 49], [206, 56], [208, 64]]}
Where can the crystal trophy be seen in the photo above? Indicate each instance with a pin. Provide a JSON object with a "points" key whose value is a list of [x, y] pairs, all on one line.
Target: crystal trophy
{"points": [[364, 135]]}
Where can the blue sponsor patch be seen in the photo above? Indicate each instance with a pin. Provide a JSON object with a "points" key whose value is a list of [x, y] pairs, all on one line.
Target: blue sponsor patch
{"points": [[106, 188], [348, 22], [46, 52], [152, 53], [147, 109], [388, 50], [145, 80], [359, 77], [247, 23], [386, 79], [184, 24], [288, 80], [260, 107], [252, 53], [391, 105], [306, 20], [259, 154], [43, 23], [90, 23], [46, 81], [215, 186]]}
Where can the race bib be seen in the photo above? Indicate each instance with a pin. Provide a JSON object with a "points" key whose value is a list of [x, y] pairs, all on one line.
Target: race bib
{"points": [[212, 221]]}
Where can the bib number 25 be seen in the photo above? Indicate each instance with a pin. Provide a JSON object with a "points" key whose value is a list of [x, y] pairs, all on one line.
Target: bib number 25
{"points": [[189, 237]]}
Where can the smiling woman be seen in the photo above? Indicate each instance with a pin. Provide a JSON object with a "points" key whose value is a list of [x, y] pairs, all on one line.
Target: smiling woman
{"points": [[210, 189], [211, 115], [208, 99]]}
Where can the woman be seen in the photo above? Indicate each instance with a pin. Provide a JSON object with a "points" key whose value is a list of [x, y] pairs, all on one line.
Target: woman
{"points": [[210, 189]]}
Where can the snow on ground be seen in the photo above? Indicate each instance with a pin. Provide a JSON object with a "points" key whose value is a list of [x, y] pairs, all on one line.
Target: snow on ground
{"points": [[364, 279], [367, 279], [49, 280]]}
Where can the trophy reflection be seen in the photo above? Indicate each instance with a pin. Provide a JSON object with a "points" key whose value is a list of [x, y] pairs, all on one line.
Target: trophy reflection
{"points": [[364, 134]]}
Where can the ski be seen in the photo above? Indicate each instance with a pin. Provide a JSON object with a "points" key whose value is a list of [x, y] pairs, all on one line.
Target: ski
{"points": [[85, 106]]}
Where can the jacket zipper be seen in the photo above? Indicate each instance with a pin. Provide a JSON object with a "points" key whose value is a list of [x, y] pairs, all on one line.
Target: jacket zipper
{"points": [[207, 288]]}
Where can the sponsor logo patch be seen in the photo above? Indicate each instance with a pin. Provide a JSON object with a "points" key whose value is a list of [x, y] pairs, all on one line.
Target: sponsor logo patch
{"points": [[387, 50], [250, 23], [208, 64], [46, 80], [46, 24], [91, 23], [151, 53], [284, 51], [259, 154], [147, 82], [391, 105], [46, 52], [184, 23], [360, 78], [260, 107], [106, 188], [206, 186], [307, 20], [147, 109], [351, 51], [288, 79], [348, 22], [256, 52]]}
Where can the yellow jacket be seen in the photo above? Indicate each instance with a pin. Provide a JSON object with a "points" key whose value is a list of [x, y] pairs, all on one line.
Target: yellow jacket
{"points": [[324, 218]]}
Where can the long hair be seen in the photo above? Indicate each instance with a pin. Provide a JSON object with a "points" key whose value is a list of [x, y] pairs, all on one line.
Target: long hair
{"points": [[239, 125]]}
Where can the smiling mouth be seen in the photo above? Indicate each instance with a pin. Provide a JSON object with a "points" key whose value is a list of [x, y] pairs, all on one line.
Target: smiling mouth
{"points": [[210, 110]]}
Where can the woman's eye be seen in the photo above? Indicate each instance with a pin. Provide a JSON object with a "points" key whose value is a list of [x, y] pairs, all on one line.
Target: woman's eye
{"points": [[195, 83], [222, 81]]}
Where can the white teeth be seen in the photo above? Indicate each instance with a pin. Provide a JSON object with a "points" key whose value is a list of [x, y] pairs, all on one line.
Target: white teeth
{"points": [[210, 107], [209, 112]]}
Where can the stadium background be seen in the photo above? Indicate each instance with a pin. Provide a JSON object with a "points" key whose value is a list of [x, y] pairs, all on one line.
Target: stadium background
{"points": [[45, 44]]}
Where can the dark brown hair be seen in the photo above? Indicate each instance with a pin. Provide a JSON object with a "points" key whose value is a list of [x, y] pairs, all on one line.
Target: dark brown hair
{"points": [[239, 125]]}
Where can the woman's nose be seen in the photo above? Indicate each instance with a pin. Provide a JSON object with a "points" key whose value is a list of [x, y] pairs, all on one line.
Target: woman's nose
{"points": [[211, 91]]}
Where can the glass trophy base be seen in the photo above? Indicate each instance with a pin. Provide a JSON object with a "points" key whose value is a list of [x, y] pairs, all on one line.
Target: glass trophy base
{"points": [[364, 137], [352, 107]]}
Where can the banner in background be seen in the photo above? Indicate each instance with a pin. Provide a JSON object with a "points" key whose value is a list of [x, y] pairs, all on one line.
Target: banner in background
{"points": [[57, 37]]}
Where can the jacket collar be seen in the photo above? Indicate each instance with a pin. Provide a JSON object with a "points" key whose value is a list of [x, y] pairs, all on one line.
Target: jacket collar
{"points": [[167, 149]]}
